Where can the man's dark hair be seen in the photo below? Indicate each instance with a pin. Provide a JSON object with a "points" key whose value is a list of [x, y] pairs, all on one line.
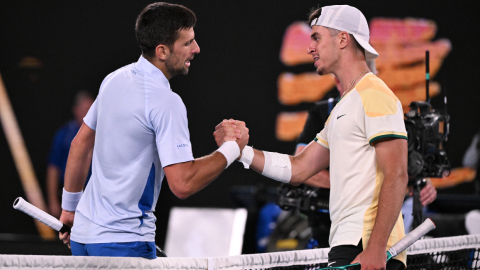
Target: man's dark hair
{"points": [[160, 23], [315, 13]]}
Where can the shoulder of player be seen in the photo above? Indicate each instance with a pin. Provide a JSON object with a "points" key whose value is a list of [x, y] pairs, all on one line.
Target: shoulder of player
{"points": [[165, 101], [117, 72], [115, 77], [377, 99]]}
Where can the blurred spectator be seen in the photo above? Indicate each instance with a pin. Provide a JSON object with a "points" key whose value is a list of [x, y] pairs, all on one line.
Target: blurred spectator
{"points": [[470, 159], [57, 160]]}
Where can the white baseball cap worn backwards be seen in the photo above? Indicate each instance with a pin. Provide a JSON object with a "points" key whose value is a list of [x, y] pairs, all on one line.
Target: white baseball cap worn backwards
{"points": [[351, 20]]}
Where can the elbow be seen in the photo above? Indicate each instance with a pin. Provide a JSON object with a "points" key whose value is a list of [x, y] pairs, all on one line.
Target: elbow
{"points": [[298, 176], [76, 143], [295, 181], [81, 146], [400, 179], [397, 179], [180, 180], [181, 192], [182, 195], [181, 189]]}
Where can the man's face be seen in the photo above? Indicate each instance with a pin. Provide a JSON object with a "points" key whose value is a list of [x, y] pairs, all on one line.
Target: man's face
{"points": [[182, 51], [322, 48]]}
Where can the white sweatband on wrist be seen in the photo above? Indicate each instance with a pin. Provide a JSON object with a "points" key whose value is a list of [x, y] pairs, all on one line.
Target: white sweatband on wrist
{"points": [[277, 166], [230, 151], [247, 156], [70, 200]]}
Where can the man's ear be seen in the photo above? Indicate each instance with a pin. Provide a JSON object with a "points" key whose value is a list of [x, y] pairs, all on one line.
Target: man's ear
{"points": [[162, 51], [343, 39]]}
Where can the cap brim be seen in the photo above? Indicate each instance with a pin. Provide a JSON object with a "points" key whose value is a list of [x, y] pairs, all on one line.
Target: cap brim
{"points": [[370, 53]]}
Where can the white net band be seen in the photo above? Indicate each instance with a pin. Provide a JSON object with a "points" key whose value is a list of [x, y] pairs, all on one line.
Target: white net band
{"points": [[446, 244], [255, 261]]}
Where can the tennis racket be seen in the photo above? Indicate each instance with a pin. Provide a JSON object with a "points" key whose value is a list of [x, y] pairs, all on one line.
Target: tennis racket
{"points": [[50, 221], [401, 245], [40, 215]]}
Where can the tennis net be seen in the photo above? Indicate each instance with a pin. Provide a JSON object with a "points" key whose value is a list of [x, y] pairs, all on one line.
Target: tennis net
{"points": [[460, 252]]}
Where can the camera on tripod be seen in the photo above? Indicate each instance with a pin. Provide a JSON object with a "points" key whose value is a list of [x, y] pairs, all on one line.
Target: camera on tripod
{"points": [[427, 131]]}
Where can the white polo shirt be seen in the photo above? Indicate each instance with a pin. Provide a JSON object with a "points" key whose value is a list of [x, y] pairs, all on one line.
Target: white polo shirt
{"points": [[368, 112], [140, 127]]}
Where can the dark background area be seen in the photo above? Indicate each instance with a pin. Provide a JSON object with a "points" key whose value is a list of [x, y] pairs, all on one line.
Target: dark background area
{"points": [[234, 76]]}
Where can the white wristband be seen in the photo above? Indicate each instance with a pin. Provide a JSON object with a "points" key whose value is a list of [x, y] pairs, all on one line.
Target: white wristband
{"points": [[247, 156], [230, 151], [70, 200], [277, 167]]}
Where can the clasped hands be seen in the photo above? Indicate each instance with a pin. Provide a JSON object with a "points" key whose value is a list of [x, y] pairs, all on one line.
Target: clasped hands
{"points": [[231, 130]]}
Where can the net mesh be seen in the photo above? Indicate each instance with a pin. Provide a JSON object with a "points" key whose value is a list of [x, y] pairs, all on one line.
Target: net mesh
{"points": [[460, 252], [458, 259]]}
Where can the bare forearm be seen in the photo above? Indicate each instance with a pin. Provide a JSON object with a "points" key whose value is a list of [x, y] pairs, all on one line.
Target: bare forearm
{"points": [[258, 161], [321, 179], [204, 170], [186, 179]]}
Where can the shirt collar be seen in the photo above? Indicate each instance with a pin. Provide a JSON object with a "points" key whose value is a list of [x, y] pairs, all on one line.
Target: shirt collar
{"points": [[144, 65], [346, 94]]}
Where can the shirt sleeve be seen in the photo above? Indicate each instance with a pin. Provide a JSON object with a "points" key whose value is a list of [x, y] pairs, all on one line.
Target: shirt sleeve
{"points": [[91, 118], [169, 121], [383, 115]]}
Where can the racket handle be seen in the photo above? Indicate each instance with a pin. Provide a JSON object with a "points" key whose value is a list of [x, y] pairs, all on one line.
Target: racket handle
{"points": [[36, 213], [411, 237]]}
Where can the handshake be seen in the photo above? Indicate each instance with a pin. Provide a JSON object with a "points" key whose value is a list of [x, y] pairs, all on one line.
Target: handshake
{"points": [[232, 130], [230, 133]]}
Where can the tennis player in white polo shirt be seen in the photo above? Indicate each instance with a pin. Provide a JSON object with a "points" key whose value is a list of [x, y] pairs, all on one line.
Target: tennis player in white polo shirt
{"points": [[364, 142], [135, 133]]}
